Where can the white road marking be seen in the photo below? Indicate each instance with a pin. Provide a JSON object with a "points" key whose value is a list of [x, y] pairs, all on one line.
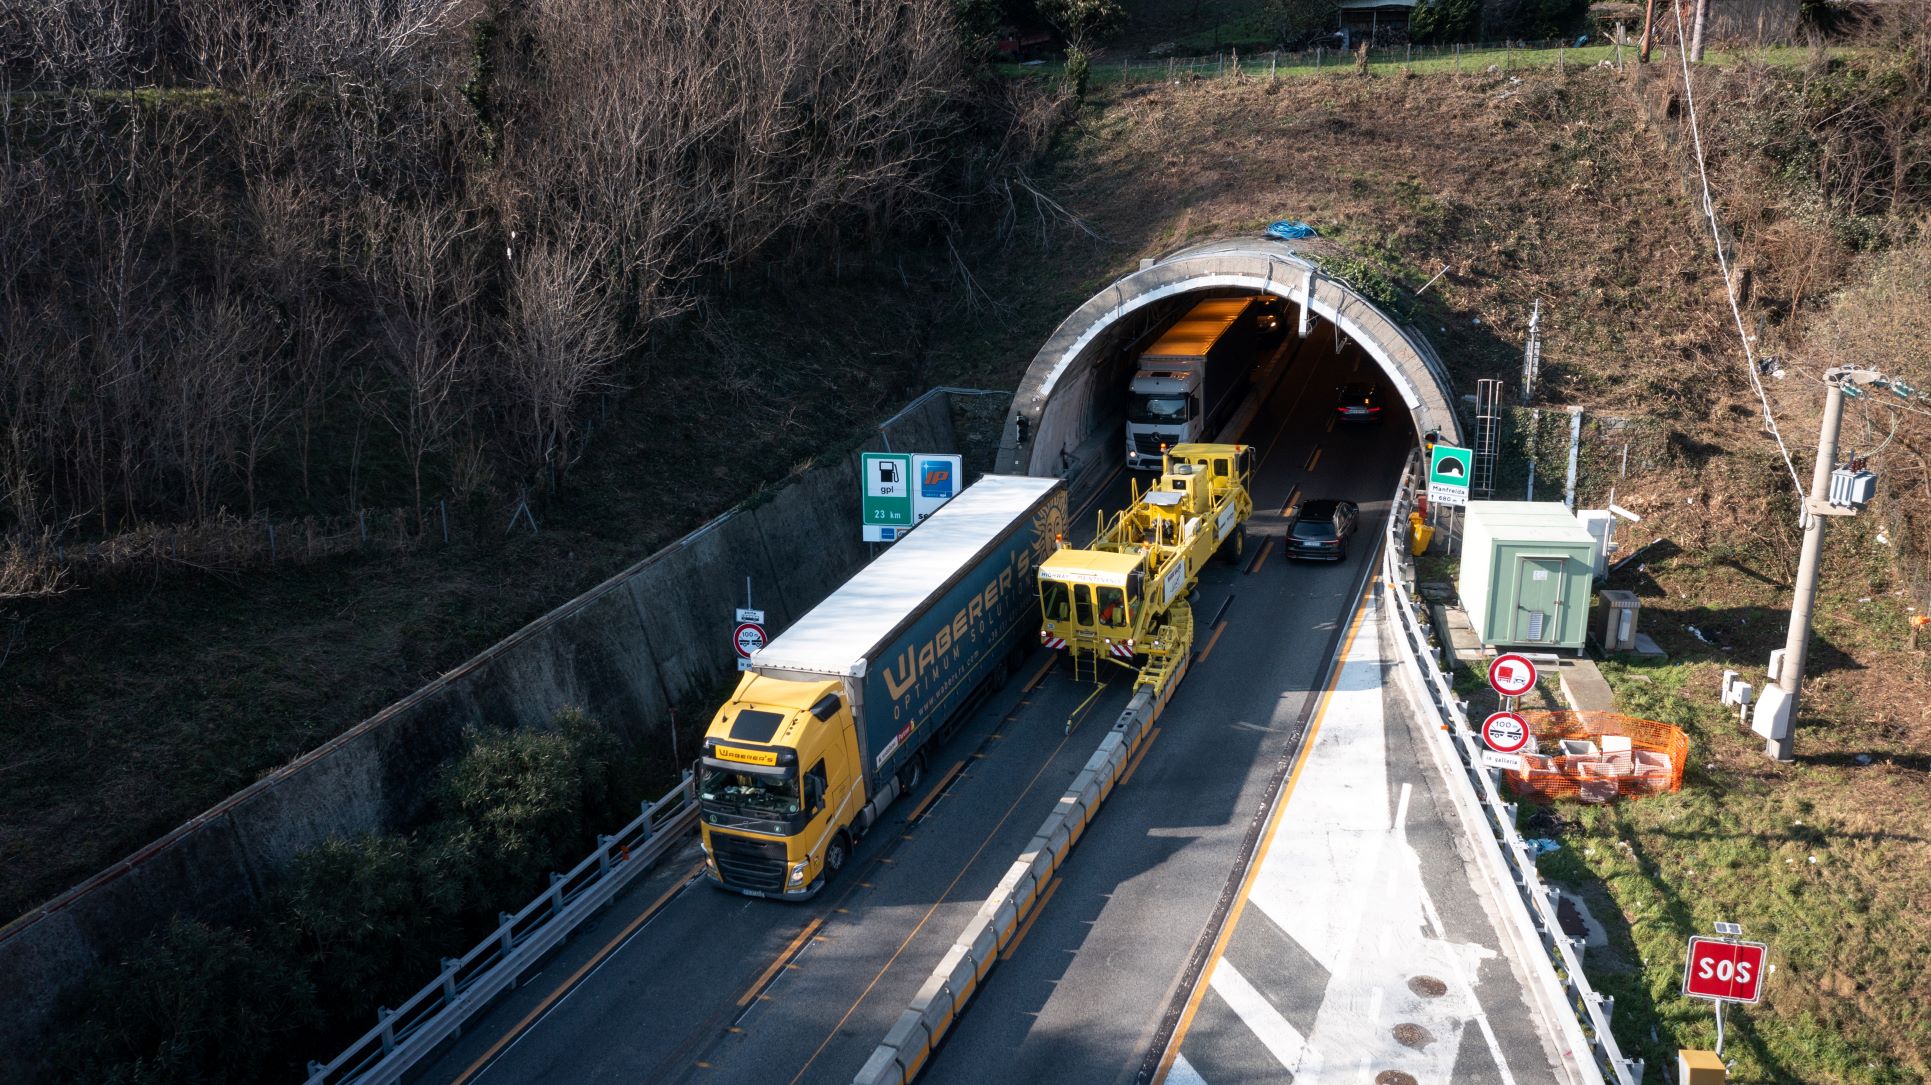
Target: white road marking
{"points": [[1374, 1008], [1277, 1033]]}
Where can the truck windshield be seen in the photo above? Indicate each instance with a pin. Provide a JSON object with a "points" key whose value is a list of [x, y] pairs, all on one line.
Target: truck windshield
{"points": [[751, 794], [1157, 410]]}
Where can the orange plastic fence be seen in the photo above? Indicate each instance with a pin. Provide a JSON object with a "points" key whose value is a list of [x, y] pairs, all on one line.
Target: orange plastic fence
{"points": [[1599, 756]]}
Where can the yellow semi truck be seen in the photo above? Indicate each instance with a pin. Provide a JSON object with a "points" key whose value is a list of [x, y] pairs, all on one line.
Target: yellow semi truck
{"points": [[1121, 598], [833, 720]]}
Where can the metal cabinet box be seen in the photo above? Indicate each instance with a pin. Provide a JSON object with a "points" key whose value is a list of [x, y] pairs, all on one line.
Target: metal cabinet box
{"points": [[1526, 573], [1615, 622]]}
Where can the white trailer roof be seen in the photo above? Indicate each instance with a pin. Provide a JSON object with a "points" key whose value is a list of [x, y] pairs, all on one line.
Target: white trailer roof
{"points": [[838, 634]]}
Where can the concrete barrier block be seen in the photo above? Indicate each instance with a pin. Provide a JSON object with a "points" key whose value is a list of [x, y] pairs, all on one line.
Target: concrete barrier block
{"points": [[1023, 890], [1062, 839], [984, 940], [1005, 919], [1042, 866], [881, 1069], [934, 1005], [961, 976], [910, 1043]]}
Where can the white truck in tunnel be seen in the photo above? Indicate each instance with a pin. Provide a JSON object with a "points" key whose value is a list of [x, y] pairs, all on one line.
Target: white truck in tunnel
{"points": [[1192, 377]]}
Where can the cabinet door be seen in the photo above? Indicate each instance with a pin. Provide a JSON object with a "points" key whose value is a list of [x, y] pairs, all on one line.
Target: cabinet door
{"points": [[1538, 599]]}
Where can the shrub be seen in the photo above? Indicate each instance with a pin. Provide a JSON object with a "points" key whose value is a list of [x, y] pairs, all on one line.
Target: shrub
{"points": [[193, 1002]]}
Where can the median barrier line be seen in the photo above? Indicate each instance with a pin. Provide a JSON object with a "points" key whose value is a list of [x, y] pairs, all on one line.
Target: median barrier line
{"points": [[1015, 901]]}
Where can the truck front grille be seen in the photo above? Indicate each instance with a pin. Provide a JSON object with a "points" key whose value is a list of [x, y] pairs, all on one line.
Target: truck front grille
{"points": [[749, 864], [1148, 444]]}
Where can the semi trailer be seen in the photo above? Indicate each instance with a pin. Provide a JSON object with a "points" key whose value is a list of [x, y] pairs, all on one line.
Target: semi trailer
{"points": [[1193, 376], [834, 718]]}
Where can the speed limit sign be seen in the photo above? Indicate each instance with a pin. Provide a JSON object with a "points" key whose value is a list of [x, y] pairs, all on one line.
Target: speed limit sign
{"points": [[748, 638], [1505, 732]]}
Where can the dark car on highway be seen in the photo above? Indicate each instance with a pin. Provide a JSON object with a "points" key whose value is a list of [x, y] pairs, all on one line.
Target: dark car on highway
{"points": [[1358, 402], [1321, 530]]}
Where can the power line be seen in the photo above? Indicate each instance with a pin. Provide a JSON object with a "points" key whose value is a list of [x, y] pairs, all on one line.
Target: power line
{"points": [[1723, 261]]}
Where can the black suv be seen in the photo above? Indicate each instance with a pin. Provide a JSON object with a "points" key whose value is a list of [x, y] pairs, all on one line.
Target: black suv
{"points": [[1359, 402], [1321, 529]]}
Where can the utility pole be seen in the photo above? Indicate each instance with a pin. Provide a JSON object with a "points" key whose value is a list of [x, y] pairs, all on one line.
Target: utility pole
{"points": [[1649, 31], [1779, 732]]}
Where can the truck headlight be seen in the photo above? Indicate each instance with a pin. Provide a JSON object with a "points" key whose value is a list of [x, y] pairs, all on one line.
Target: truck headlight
{"points": [[798, 871]]}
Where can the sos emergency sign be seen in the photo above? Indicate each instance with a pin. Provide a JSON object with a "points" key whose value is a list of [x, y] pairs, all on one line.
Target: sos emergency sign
{"points": [[1725, 971]]}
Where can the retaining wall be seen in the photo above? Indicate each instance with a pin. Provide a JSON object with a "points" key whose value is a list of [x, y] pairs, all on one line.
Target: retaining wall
{"points": [[625, 651]]}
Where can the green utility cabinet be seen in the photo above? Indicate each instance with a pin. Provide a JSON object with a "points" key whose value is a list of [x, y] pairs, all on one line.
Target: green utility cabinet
{"points": [[1526, 571]]}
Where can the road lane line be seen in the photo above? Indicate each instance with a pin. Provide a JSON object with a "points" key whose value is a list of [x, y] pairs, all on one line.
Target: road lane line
{"points": [[1331, 419], [1261, 556], [1211, 641], [1274, 442], [1038, 907], [784, 957], [1141, 756], [937, 789], [503, 1042], [1275, 1032], [1314, 459], [923, 919], [1287, 507], [1041, 674], [1267, 836]]}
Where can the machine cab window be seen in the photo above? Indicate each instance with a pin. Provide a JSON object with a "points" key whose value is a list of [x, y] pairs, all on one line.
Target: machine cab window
{"points": [[1055, 600]]}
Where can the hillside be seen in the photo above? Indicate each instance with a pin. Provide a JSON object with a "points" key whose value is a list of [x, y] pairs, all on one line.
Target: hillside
{"points": [[1527, 186]]}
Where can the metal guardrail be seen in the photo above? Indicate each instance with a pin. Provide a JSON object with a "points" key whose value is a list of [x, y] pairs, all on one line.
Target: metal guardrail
{"points": [[405, 1035], [1534, 902]]}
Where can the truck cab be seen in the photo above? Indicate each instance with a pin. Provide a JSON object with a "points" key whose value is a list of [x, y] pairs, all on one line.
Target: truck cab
{"points": [[1163, 409], [780, 786]]}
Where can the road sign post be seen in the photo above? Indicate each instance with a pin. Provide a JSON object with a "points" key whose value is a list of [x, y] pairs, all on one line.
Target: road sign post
{"points": [[886, 509], [1725, 970]]}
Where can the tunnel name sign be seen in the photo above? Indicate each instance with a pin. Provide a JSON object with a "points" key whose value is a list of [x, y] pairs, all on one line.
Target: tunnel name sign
{"points": [[1448, 469]]}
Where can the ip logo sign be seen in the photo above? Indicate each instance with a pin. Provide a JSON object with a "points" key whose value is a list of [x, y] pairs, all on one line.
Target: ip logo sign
{"points": [[1725, 971]]}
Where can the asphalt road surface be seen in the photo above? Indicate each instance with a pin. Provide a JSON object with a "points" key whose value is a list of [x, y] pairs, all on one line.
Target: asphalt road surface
{"points": [[681, 982]]}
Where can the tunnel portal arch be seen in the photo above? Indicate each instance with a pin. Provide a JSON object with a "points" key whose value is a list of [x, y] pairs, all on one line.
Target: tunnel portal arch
{"points": [[1060, 403]]}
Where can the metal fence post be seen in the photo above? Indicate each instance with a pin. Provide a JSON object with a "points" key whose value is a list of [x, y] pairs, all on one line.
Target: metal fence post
{"points": [[603, 853], [505, 935], [450, 964], [385, 1015]]}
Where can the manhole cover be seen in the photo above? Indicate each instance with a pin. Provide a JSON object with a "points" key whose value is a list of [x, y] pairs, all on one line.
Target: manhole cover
{"points": [[1412, 1035], [1428, 987], [1394, 1077]]}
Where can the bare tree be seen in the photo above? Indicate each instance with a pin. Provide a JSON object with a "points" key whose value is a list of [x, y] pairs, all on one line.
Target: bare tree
{"points": [[559, 340]]}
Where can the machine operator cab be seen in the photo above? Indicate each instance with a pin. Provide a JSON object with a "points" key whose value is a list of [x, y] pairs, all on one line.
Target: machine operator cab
{"points": [[1102, 600]]}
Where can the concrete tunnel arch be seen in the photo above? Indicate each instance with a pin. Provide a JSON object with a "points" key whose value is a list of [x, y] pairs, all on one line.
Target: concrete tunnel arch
{"points": [[1063, 405]]}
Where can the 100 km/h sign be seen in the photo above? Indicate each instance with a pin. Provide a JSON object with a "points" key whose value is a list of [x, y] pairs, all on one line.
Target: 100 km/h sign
{"points": [[1505, 732]]}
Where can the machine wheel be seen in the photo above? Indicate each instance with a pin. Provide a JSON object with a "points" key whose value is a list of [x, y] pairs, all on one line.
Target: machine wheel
{"points": [[1232, 546], [839, 850]]}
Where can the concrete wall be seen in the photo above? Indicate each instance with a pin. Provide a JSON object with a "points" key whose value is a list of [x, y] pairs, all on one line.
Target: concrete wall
{"points": [[1057, 396], [625, 651]]}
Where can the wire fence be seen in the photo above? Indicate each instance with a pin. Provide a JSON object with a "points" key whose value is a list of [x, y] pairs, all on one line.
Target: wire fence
{"points": [[1280, 63]]}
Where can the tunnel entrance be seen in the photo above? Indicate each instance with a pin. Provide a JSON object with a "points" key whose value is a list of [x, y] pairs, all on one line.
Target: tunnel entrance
{"points": [[1070, 409]]}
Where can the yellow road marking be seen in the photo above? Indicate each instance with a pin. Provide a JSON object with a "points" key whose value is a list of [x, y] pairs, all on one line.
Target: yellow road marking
{"points": [[1266, 841], [1261, 558], [1331, 419], [1314, 459], [784, 958], [1038, 907], [1050, 660], [940, 899], [1219, 628], [932, 795], [1141, 756], [1292, 497], [563, 988]]}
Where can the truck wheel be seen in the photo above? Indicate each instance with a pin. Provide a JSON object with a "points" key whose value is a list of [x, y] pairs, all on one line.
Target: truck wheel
{"points": [[911, 774], [839, 850]]}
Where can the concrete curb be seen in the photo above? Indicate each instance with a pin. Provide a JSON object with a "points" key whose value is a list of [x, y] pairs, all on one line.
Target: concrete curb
{"points": [[909, 1045]]}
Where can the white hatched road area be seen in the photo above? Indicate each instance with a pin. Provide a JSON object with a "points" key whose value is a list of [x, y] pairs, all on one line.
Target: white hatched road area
{"points": [[1361, 950]]}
